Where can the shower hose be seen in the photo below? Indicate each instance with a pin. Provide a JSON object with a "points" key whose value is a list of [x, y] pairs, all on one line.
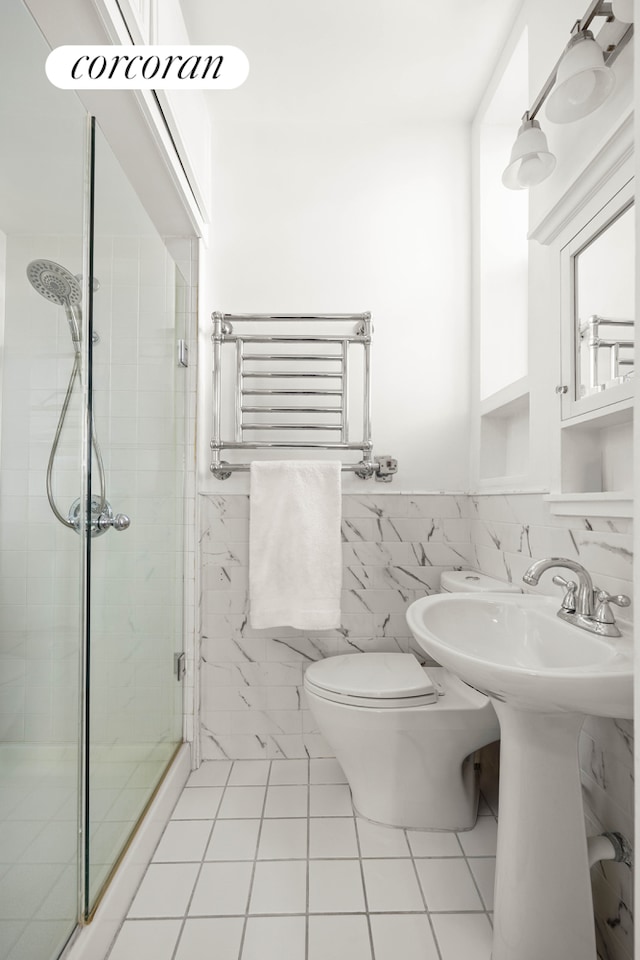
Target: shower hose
{"points": [[100, 504]]}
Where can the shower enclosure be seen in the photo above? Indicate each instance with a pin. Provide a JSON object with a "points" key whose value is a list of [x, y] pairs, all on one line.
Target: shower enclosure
{"points": [[92, 452]]}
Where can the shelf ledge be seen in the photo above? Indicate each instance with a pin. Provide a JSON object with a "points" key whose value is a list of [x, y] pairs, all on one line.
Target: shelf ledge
{"points": [[511, 400], [610, 503]]}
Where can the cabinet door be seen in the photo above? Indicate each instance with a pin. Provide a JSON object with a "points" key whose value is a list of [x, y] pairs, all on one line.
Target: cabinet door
{"points": [[598, 309]]}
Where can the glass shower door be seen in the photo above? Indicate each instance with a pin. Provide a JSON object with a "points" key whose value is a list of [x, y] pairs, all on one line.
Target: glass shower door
{"points": [[42, 172], [91, 710], [136, 562]]}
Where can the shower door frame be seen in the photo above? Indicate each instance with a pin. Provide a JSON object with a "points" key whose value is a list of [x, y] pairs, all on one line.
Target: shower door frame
{"points": [[86, 382]]}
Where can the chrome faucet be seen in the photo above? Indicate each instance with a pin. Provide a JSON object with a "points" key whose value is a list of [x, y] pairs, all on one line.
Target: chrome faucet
{"points": [[582, 605]]}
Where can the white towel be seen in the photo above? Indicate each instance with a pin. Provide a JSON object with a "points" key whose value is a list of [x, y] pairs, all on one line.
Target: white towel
{"points": [[295, 551]]}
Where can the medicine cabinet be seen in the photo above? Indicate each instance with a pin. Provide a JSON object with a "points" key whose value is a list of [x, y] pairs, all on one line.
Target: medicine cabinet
{"points": [[592, 233], [598, 309]]}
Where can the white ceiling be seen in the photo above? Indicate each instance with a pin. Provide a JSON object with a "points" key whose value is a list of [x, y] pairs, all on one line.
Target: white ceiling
{"points": [[355, 61]]}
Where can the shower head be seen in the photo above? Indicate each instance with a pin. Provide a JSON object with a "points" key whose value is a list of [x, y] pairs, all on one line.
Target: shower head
{"points": [[55, 283]]}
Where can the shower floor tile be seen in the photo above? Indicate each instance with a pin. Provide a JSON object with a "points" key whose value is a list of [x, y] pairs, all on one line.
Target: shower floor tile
{"points": [[275, 865]]}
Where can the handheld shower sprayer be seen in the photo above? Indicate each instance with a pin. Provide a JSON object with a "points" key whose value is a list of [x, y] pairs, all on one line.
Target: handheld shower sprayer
{"points": [[54, 282]]}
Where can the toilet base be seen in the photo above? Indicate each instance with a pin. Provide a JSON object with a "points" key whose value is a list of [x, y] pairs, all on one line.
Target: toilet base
{"points": [[436, 803], [412, 767], [466, 825]]}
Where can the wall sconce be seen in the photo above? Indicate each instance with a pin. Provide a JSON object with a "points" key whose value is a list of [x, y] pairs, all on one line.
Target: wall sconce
{"points": [[581, 80], [531, 161]]}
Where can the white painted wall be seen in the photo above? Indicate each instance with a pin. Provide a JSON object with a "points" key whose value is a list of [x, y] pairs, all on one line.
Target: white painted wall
{"points": [[502, 250], [348, 219]]}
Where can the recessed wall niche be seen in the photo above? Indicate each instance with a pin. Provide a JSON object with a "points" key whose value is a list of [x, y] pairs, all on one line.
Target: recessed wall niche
{"points": [[504, 435]]}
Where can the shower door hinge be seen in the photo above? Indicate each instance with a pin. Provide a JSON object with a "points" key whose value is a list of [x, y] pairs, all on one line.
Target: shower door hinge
{"points": [[179, 666], [183, 353]]}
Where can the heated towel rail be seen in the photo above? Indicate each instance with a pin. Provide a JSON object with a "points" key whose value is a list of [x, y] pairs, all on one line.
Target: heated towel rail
{"points": [[289, 387]]}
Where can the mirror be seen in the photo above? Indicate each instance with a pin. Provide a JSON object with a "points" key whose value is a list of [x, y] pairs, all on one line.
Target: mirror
{"points": [[604, 306], [597, 302]]}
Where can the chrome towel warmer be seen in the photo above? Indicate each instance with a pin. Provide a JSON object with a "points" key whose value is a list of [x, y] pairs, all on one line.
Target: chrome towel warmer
{"points": [[272, 395]]}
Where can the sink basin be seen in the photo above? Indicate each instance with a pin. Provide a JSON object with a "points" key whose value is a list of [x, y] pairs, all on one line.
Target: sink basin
{"points": [[514, 648]]}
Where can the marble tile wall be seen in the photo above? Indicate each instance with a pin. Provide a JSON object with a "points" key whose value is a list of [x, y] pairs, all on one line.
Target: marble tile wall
{"points": [[507, 533], [395, 547]]}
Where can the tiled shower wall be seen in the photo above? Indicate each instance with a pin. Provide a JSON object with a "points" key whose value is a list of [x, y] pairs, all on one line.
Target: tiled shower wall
{"points": [[395, 546], [40, 560]]}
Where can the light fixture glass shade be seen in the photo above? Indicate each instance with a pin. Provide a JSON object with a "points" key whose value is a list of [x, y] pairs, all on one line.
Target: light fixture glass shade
{"points": [[583, 80], [531, 161], [623, 10]]}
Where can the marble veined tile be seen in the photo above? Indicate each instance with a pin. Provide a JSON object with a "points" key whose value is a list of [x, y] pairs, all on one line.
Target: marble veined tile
{"points": [[224, 554], [614, 737], [614, 917], [411, 529], [225, 506], [436, 505], [221, 577], [379, 601], [228, 529], [232, 647], [392, 577], [360, 529], [386, 505]]}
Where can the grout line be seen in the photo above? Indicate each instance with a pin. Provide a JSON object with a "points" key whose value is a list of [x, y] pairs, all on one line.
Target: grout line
{"points": [[424, 899], [284, 859], [475, 857], [255, 860], [202, 861], [364, 886], [475, 883], [315, 913]]}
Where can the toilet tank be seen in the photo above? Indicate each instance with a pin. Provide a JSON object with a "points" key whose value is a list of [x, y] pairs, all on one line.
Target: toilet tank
{"points": [[470, 581]]}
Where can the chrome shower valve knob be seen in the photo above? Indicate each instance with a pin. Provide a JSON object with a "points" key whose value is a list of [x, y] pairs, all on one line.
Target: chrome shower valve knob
{"points": [[120, 522], [102, 517]]}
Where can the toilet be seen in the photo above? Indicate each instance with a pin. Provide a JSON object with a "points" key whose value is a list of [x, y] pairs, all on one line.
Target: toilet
{"points": [[404, 734]]}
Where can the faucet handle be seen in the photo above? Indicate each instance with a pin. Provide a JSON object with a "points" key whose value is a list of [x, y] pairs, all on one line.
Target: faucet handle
{"points": [[604, 613], [569, 599]]}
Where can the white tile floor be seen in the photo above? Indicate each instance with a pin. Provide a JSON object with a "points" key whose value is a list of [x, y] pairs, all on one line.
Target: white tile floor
{"points": [[265, 860]]}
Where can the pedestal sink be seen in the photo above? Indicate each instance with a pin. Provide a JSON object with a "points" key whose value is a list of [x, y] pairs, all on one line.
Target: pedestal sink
{"points": [[543, 676]]}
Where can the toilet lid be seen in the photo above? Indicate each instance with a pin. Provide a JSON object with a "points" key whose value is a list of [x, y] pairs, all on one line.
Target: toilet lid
{"points": [[373, 676]]}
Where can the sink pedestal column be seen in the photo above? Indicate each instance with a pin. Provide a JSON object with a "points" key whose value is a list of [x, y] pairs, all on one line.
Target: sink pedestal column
{"points": [[543, 900]]}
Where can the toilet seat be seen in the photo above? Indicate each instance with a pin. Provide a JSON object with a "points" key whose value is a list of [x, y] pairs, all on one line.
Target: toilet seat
{"points": [[382, 680]]}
